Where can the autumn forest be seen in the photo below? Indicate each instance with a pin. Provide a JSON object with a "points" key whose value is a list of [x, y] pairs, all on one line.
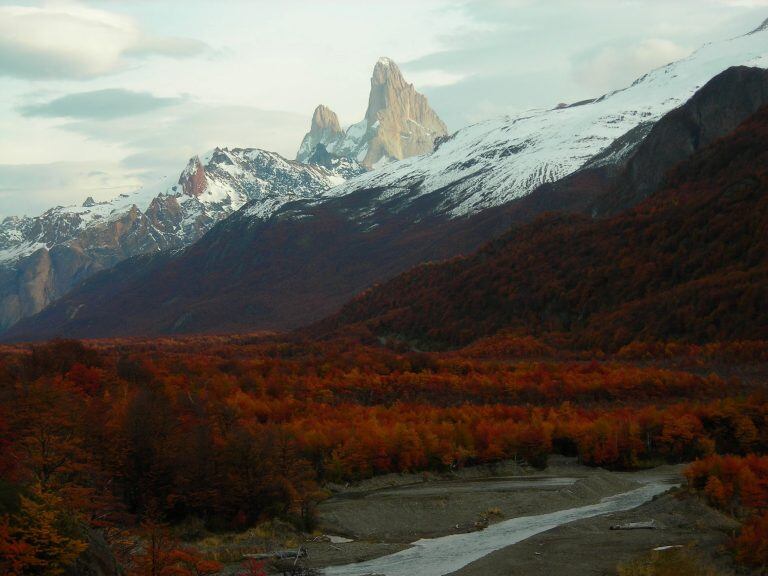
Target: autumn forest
{"points": [[129, 436]]}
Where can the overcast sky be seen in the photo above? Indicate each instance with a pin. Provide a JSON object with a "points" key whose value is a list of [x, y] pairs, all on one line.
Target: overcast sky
{"points": [[99, 97]]}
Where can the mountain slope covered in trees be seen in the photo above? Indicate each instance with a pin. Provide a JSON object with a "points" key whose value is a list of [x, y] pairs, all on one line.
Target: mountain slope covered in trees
{"points": [[690, 263]]}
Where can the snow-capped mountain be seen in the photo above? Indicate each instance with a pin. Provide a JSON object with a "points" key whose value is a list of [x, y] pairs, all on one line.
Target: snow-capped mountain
{"points": [[398, 124], [312, 255], [498, 160], [299, 260], [42, 257], [180, 209]]}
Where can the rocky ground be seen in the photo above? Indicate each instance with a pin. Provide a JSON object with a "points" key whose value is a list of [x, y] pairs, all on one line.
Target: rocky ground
{"points": [[590, 547], [441, 506], [386, 514], [383, 515]]}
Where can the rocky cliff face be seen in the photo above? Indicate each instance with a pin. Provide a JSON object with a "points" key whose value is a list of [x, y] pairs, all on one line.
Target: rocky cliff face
{"points": [[325, 130], [405, 124], [192, 180], [42, 258], [398, 123], [730, 98]]}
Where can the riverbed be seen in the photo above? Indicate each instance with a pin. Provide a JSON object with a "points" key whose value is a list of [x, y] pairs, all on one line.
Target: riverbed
{"points": [[443, 555], [441, 523]]}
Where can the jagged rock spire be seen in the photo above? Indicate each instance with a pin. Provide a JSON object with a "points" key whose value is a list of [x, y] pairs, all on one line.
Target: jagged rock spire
{"points": [[398, 123], [193, 181], [407, 126], [325, 119], [325, 130]]}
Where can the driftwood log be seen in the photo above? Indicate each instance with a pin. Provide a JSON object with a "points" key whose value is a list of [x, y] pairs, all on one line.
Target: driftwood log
{"points": [[650, 525], [280, 555]]}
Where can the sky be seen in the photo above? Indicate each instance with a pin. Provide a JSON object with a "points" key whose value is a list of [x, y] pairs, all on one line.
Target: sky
{"points": [[101, 97]]}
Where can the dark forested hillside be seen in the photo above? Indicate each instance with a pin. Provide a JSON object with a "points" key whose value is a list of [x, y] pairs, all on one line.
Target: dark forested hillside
{"points": [[687, 264]]}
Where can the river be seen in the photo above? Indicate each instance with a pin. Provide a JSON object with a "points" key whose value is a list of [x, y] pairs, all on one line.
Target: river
{"points": [[440, 556]]}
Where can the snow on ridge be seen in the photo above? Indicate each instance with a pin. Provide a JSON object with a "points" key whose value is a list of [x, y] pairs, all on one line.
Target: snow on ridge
{"points": [[233, 178], [20, 250], [483, 165], [498, 160]]}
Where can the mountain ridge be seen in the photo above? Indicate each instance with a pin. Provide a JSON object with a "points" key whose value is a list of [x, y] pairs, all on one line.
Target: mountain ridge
{"points": [[687, 263], [43, 257], [555, 159], [311, 256], [498, 160]]}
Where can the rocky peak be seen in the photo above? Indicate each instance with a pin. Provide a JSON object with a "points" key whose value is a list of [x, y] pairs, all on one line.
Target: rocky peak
{"points": [[387, 81], [89, 202], [398, 123], [193, 181], [325, 120], [325, 130], [404, 123]]}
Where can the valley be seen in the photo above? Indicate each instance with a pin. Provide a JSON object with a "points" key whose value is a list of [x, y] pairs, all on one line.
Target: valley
{"points": [[255, 444], [534, 344], [433, 514]]}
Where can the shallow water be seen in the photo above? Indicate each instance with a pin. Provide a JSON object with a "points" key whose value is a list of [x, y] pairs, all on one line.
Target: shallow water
{"points": [[440, 556]]}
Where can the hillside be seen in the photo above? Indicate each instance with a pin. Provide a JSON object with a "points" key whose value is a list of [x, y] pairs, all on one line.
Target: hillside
{"points": [[687, 264], [43, 257]]}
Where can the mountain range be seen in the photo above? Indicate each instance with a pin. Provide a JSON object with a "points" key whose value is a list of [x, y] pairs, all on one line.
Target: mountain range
{"points": [[43, 257], [283, 257]]}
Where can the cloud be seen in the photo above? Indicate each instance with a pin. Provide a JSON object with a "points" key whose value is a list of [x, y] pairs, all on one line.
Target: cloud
{"points": [[434, 78], [33, 188], [191, 128], [611, 67], [515, 55], [745, 3], [99, 105], [71, 41], [144, 155]]}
